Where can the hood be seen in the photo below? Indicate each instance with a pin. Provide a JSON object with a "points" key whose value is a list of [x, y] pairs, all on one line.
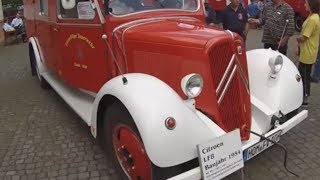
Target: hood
{"points": [[171, 48], [179, 31]]}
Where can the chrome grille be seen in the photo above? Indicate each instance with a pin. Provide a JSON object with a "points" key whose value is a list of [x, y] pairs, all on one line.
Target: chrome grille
{"points": [[231, 88]]}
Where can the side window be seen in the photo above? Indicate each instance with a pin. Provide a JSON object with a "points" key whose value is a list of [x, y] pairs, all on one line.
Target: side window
{"points": [[76, 9], [44, 7]]}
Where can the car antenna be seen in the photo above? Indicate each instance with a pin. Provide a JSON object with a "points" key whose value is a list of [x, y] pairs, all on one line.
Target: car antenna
{"points": [[124, 79], [278, 144], [285, 27]]}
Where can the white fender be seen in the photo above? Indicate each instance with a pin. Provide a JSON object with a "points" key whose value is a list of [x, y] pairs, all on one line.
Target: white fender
{"points": [[271, 95], [150, 102], [37, 55]]}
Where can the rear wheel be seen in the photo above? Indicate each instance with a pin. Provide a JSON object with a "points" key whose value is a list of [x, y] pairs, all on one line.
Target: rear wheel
{"points": [[124, 146], [43, 83], [35, 71]]}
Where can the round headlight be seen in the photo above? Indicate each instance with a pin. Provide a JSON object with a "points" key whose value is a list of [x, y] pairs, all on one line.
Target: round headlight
{"points": [[276, 63], [192, 85]]}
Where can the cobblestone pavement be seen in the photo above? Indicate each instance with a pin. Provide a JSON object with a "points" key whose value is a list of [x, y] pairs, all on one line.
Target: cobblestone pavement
{"points": [[42, 138]]}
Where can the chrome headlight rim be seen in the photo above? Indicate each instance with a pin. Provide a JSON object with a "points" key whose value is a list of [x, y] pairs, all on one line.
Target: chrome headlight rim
{"points": [[276, 64], [192, 85]]}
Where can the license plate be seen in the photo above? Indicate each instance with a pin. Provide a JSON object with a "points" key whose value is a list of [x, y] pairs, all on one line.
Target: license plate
{"points": [[260, 146]]}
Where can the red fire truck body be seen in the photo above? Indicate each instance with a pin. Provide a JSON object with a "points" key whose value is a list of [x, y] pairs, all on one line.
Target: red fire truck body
{"points": [[153, 81]]}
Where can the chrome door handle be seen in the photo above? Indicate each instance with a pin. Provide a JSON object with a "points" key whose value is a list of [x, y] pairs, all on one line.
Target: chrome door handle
{"points": [[56, 29]]}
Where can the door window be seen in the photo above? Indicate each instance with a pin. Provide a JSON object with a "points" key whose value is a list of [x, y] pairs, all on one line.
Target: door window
{"points": [[76, 9], [44, 7], [123, 7]]}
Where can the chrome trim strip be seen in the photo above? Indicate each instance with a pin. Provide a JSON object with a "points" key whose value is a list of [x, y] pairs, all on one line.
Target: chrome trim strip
{"points": [[102, 19], [231, 33], [90, 93], [150, 20], [225, 74], [158, 10], [79, 25], [243, 77], [228, 84]]}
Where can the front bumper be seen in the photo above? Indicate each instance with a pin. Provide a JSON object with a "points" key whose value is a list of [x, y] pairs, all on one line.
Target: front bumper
{"points": [[285, 127]]}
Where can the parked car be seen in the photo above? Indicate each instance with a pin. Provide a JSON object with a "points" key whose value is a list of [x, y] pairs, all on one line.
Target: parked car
{"points": [[153, 81]]}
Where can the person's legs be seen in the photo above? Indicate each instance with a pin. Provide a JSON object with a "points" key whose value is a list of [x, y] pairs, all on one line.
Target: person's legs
{"points": [[303, 72], [283, 49], [308, 79], [316, 72], [268, 45]]}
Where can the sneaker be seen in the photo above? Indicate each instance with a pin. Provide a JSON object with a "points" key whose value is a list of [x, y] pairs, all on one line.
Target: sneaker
{"points": [[314, 80]]}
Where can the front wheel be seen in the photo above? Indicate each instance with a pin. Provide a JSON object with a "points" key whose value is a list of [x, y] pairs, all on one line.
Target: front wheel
{"points": [[124, 146]]}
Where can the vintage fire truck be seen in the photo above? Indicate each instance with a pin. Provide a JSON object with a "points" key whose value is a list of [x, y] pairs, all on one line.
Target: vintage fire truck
{"points": [[153, 81]]}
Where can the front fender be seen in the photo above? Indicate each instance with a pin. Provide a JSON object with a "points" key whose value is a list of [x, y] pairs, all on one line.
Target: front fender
{"points": [[270, 95], [150, 102]]}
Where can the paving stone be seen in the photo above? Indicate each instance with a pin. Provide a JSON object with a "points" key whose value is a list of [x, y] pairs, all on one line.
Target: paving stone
{"points": [[11, 173], [15, 177], [84, 175], [62, 177]]}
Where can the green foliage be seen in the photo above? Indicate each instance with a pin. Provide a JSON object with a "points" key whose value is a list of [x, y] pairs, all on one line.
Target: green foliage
{"points": [[12, 3]]}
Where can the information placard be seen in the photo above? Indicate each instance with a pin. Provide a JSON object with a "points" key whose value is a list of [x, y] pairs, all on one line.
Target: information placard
{"points": [[221, 156], [85, 10]]}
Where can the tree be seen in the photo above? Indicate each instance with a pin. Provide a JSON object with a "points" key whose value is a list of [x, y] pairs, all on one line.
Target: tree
{"points": [[13, 3]]}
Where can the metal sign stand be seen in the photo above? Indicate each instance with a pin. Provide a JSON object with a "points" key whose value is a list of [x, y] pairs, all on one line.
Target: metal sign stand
{"points": [[242, 173]]}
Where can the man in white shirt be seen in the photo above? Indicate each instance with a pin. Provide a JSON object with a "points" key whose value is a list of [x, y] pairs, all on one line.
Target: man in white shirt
{"points": [[7, 27], [17, 21], [18, 25]]}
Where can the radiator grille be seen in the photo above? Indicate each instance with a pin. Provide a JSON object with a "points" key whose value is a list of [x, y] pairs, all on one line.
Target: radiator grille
{"points": [[234, 107]]}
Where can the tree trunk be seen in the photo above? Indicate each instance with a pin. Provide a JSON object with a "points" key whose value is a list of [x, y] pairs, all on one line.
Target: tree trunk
{"points": [[1, 24]]}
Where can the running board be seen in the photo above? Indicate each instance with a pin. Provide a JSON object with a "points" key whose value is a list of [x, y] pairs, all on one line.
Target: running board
{"points": [[80, 102]]}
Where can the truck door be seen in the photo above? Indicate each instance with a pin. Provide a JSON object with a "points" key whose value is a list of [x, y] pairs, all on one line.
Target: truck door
{"points": [[83, 61], [44, 32]]}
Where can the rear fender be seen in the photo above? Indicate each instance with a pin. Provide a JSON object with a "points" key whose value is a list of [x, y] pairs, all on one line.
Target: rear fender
{"points": [[37, 55]]}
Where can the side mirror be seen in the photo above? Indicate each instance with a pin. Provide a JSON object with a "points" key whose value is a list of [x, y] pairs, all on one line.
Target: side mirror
{"points": [[107, 9], [68, 4]]}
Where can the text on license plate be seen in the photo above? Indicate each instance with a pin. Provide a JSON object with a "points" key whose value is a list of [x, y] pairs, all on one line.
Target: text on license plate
{"points": [[260, 146]]}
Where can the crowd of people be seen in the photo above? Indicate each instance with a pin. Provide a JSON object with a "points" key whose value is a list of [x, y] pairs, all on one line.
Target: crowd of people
{"points": [[277, 19]]}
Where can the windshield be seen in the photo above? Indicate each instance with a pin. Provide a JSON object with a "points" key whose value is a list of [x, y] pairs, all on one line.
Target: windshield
{"points": [[123, 7]]}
